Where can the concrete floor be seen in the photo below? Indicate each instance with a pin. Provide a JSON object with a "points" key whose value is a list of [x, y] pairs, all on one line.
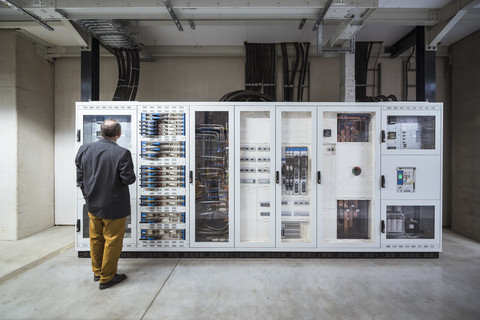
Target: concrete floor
{"points": [[62, 288]]}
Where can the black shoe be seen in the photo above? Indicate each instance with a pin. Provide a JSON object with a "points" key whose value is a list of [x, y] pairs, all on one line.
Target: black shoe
{"points": [[96, 278], [116, 280]]}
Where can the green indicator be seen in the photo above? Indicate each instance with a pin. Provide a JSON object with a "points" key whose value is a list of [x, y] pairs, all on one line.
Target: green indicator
{"points": [[400, 176]]}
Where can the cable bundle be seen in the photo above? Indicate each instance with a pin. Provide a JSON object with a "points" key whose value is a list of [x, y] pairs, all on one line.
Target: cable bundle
{"points": [[378, 98], [362, 55], [246, 95], [260, 68], [128, 61], [300, 65]]}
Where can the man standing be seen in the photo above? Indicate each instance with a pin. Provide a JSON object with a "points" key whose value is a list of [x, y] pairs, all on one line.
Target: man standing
{"points": [[104, 171]]}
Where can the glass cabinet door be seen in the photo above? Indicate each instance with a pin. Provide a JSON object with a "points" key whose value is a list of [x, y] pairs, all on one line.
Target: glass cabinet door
{"points": [[255, 176], [295, 178], [411, 130], [88, 122], [348, 159], [211, 181], [83, 233], [410, 224]]}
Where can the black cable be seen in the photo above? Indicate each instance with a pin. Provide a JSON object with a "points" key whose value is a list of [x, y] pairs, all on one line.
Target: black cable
{"points": [[302, 58], [407, 67], [121, 74], [128, 71], [245, 95], [116, 95], [294, 71], [137, 74], [305, 69], [285, 71]]}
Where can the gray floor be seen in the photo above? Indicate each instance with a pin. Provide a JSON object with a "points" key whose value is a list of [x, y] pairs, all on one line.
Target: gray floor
{"points": [[62, 288]]}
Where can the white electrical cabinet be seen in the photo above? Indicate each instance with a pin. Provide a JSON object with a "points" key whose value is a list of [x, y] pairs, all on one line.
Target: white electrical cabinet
{"points": [[411, 170], [276, 177]]}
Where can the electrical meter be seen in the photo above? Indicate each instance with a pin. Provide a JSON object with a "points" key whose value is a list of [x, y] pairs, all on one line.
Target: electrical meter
{"points": [[406, 179]]}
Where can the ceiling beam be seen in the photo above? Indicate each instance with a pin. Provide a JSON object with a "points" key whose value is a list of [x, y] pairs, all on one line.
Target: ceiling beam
{"points": [[77, 33], [404, 44], [451, 14], [27, 14]]}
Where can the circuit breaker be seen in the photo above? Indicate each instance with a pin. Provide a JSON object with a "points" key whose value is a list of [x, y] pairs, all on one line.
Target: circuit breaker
{"points": [[410, 132], [405, 179], [295, 177]]}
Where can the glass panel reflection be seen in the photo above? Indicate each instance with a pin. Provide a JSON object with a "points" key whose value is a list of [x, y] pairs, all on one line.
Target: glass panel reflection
{"points": [[410, 222], [296, 146], [255, 170], [348, 171], [92, 123], [410, 132], [211, 176]]}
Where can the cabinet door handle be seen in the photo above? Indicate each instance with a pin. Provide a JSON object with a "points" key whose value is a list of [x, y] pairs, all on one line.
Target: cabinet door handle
{"points": [[383, 226], [319, 177], [277, 177], [383, 135], [190, 177], [383, 181], [79, 134]]}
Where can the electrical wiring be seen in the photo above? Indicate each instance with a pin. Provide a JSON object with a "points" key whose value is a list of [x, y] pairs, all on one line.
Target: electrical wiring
{"points": [[128, 63]]}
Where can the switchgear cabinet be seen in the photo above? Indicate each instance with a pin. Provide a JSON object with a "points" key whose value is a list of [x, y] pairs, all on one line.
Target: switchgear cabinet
{"points": [[276, 177]]}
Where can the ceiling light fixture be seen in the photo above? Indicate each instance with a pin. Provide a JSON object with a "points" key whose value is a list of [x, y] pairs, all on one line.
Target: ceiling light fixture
{"points": [[27, 14]]}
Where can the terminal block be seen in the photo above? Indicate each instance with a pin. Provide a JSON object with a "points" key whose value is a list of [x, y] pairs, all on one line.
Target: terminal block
{"points": [[162, 124], [162, 234], [162, 217]]}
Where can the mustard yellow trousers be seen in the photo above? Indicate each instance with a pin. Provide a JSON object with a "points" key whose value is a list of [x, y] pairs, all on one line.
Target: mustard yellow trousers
{"points": [[106, 240]]}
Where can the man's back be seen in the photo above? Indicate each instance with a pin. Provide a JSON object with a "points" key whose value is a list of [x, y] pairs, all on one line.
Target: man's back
{"points": [[104, 171]]}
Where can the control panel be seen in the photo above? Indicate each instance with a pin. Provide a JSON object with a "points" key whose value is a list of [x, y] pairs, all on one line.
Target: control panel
{"points": [[162, 177]]}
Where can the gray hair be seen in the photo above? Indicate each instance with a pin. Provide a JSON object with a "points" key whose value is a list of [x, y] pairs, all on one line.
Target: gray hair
{"points": [[110, 128]]}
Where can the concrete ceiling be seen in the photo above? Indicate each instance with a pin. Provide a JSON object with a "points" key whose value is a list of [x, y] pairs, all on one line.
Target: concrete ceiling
{"points": [[229, 23]]}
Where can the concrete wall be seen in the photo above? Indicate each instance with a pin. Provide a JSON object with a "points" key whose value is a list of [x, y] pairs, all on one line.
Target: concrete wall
{"points": [[8, 137], [466, 136], [35, 106], [26, 128]]}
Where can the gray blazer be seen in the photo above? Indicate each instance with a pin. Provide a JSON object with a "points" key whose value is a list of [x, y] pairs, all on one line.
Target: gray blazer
{"points": [[104, 171]]}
